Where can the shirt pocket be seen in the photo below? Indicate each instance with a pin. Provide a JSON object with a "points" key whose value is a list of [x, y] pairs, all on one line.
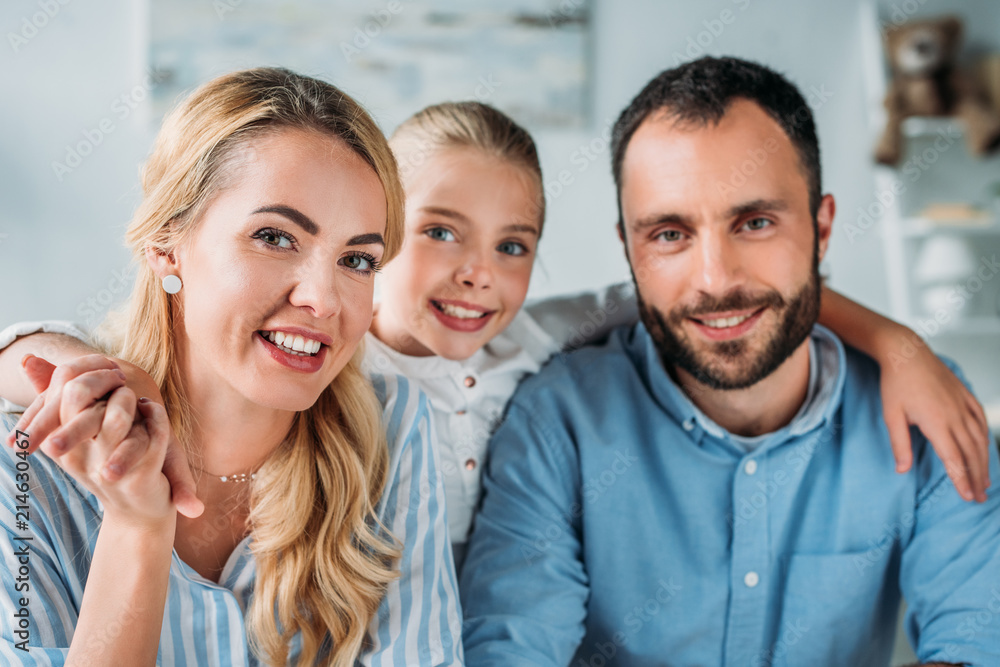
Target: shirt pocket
{"points": [[831, 611]]}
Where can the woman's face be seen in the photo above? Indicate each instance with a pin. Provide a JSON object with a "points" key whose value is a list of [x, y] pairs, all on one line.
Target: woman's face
{"points": [[278, 275], [471, 233]]}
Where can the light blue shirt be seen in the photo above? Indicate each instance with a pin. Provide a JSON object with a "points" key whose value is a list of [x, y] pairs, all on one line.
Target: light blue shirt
{"points": [[417, 623], [616, 529]]}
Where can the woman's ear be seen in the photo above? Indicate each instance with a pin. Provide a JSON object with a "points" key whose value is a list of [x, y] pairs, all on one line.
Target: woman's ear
{"points": [[162, 263]]}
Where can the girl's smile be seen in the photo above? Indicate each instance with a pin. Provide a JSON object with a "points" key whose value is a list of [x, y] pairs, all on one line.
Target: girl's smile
{"points": [[460, 315]]}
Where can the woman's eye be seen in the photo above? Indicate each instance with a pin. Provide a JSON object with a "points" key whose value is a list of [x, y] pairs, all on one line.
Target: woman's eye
{"points": [[512, 248], [670, 235], [363, 263], [440, 234], [275, 237], [757, 224]]}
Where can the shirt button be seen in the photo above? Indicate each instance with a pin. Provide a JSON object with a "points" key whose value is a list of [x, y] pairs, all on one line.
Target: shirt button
{"points": [[750, 467], [751, 579], [470, 381], [470, 464], [688, 425]]}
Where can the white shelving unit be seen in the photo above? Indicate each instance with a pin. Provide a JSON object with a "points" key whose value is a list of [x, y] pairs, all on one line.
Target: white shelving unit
{"points": [[937, 168]]}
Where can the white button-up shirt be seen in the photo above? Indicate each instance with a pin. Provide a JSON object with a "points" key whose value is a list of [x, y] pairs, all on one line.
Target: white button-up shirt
{"points": [[468, 397]]}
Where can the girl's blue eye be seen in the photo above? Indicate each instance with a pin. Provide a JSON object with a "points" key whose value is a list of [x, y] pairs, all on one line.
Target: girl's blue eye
{"points": [[757, 224], [512, 248], [275, 238], [440, 234], [670, 235], [361, 262]]}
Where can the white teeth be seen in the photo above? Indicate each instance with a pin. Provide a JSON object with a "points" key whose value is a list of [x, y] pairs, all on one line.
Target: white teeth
{"points": [[459, 312], [725, 322], [294, 344]]}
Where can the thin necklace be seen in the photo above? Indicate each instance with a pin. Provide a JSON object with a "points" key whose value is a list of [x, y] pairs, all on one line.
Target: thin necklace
{"points": [[238, 477]]}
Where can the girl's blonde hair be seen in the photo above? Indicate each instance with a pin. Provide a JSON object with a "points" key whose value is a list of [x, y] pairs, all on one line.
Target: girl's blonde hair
{"points": [[323, 561], [468, 125]]}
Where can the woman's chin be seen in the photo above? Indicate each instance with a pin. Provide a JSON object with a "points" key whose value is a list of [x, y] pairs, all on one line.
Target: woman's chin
{"points": [[287, 399]]}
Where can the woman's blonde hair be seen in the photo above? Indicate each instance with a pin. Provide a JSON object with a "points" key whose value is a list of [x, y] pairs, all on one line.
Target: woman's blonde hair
{"points": [[323, 561], [468, 125]]}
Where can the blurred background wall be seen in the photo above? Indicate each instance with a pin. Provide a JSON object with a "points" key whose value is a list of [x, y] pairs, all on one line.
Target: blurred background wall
{"points": [[61, 254]]}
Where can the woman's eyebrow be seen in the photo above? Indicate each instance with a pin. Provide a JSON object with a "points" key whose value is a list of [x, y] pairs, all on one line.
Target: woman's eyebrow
{"points": [[366, 239], [296, 216]]}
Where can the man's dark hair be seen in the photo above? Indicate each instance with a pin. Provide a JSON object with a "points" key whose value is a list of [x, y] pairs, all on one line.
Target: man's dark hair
{"points": [[700, 92]]}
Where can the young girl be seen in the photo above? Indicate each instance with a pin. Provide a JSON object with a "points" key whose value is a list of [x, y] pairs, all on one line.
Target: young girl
{"points": [[451, 316], [268, 202]]}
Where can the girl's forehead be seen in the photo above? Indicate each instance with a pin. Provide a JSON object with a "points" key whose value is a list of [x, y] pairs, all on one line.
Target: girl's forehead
{"points": [[470, 178]]}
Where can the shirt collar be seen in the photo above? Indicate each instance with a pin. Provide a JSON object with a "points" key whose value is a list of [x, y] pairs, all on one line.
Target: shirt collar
{"points": [[827, 395], [379, 357]]}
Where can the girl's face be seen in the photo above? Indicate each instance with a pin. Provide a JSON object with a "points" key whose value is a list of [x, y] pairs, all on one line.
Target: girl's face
{"points": [[278, 276], [472, 229]]}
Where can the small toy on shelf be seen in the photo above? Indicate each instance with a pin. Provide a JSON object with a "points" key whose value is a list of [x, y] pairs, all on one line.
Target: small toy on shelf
{"points": [[926, 81]]}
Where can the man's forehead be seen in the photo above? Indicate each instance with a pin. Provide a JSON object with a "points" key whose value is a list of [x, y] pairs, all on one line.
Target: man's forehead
{"points": [[746, 156], [744, 121]]}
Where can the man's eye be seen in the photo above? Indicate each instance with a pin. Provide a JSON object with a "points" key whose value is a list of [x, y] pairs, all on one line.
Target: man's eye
{"points": [[670, 235], [757, 224], [440, 234]]}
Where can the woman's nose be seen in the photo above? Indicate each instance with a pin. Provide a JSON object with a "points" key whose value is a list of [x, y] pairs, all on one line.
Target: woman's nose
{"points": [[317, 289]]}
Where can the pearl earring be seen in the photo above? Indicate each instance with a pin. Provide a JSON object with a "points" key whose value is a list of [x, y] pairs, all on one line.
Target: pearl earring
{"points": [[171, 284]]}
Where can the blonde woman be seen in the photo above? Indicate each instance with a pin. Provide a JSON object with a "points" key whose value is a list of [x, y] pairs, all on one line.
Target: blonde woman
{"points": [[270, 201]]}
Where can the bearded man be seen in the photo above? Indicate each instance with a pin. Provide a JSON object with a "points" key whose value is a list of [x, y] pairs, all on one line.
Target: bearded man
{"points": [[715, 485]]}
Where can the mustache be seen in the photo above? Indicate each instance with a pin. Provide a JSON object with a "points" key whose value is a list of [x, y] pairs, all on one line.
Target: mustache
{"points": [[736, 300]]}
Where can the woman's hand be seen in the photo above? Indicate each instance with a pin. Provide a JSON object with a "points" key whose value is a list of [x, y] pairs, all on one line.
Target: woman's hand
{"points": [[137, 430], [921, 390], [70, 410]]}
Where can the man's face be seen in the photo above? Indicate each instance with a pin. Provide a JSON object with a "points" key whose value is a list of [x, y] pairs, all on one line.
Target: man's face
{"points": [[723, 247]]}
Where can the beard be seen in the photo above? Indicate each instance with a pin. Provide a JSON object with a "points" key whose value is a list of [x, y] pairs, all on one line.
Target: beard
{"points": [[735, 364]]}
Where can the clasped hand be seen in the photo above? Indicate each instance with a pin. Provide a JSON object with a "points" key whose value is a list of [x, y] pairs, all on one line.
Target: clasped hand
{"points": [[118, 445]]}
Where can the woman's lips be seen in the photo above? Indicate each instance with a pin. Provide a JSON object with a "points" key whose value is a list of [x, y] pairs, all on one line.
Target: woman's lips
{"points": [[305, 364], [463, 324]]}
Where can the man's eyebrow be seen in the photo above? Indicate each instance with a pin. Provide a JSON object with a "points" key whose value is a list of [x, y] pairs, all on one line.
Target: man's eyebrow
{"points": [[365, 239], [296, 216], [661, 219], [758, 206]]}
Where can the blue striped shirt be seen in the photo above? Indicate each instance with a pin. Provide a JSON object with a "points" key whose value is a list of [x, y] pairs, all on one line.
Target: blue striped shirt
{"points": [[418, 621]]}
